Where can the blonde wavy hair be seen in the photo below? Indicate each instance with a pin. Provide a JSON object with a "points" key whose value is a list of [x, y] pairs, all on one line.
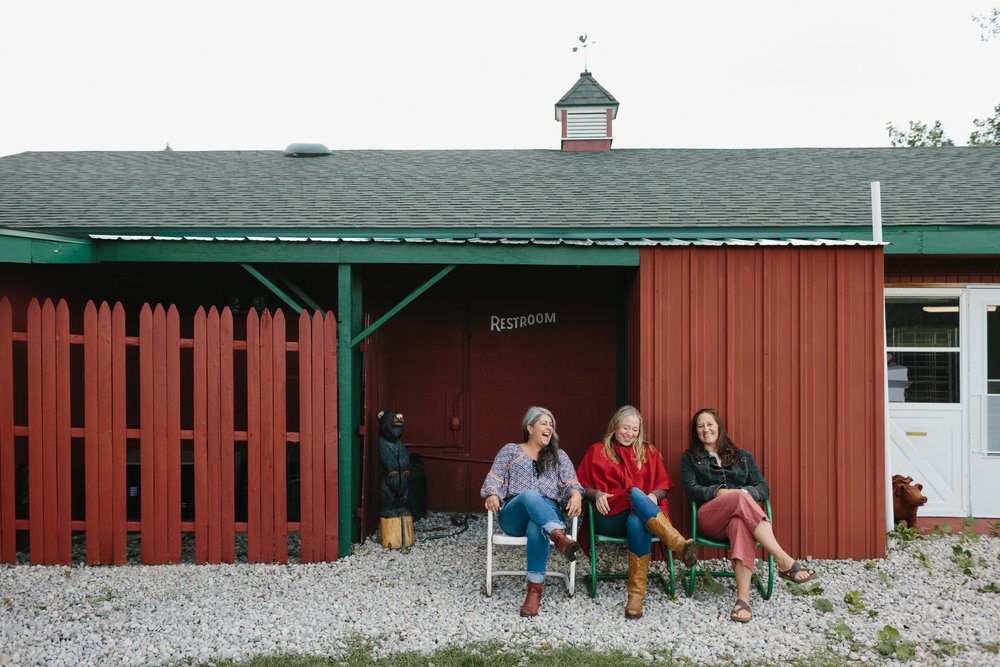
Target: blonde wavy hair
{"points": [[639, 446]]}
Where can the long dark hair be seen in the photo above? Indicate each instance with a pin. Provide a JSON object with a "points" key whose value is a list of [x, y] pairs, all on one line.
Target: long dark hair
{"points": [[726, 449], [549, 456]]}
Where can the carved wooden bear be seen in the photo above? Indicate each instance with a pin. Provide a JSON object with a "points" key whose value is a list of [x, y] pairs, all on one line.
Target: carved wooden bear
{"points": [[906, 498], [394, 460]]}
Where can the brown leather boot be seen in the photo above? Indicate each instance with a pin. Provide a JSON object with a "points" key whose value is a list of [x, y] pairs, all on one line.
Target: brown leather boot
{"points": [[686, 550], [566, 545], [532, 599], [638, 572]]}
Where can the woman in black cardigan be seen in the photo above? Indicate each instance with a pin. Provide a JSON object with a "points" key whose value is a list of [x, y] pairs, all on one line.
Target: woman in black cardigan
{"points": [[726, 484]]}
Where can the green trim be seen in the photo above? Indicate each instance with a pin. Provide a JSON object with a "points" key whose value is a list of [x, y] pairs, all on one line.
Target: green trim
{"points": [[274, 288], [17, 247], [299, 292], [943, 241], [467, 233], [402, 304], [356, 253], [349, 416]]}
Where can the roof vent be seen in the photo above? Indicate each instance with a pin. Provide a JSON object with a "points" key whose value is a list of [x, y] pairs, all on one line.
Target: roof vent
{"points": [[306, 150]]}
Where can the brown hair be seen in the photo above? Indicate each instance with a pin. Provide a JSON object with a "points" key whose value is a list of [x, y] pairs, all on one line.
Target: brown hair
{"points": [[726, 448]]}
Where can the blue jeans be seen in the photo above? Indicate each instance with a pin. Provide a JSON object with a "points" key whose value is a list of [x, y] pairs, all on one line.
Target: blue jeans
{"points": [[631, 525], [532, 515]]}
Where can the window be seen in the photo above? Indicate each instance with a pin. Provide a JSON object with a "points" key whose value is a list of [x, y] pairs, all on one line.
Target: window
{"points": [[922, 346]]}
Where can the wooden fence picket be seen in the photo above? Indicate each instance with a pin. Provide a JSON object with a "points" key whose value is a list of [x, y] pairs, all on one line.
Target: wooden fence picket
{"points": [[161, 400]]}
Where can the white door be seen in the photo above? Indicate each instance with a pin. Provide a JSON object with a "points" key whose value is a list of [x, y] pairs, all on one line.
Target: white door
{"points": [[926, 442], [926, 412], [984, 389]]}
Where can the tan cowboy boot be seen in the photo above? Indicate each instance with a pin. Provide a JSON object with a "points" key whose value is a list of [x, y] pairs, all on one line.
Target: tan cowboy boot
{"points": [[532, 599], [638, 572], [687, 550]]}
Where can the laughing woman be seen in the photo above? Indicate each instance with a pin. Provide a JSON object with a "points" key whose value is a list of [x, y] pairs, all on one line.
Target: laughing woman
{"points": [[528, 486], [623, 475], [726, 485]]}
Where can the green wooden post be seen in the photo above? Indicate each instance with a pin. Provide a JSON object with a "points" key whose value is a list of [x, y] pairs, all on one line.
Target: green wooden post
{"points": [[349, 405]]}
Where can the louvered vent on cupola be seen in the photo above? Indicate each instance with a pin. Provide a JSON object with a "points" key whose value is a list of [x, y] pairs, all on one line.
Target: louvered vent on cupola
{"points": [[586, 113]]}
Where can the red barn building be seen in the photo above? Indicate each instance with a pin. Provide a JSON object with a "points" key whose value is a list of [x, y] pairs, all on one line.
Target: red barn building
{"points": [[460, 287]]}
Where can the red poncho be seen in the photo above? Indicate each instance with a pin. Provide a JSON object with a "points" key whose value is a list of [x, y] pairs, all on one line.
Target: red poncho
{"points": [[597, 471]]}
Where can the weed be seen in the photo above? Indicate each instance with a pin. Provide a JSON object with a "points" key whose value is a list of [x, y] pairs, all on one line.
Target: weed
{"points": [[799, 589], [105, 596], [6, 602], [991, 587], [941, 531], [962, 558], [968, 534], [923, 559], [712, 586], [994, 528], [948, 647], [856, 606], [904, 533], [870, 564], [67, 574], [823, 605], [840, 630], [891, 643], [853, 600], [884, 578]]}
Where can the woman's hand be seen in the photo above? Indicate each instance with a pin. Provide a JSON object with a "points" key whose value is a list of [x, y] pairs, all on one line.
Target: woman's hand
{"points": [[723, 491], [574, 505], [603, 506], [493, 503]]}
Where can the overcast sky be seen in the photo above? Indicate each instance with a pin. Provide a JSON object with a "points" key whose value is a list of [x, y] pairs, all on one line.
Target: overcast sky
{"points": [[221, 75]]}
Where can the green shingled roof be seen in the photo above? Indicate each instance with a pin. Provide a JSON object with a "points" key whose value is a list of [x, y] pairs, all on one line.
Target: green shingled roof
{"points": [[586, 92], [650, 192]]}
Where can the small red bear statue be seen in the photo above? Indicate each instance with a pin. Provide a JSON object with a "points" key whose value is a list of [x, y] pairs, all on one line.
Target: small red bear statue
{"points": [[906, 498]]}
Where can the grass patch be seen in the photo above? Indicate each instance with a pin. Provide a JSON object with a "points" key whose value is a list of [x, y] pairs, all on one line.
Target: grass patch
{"points": [[495, 654]]}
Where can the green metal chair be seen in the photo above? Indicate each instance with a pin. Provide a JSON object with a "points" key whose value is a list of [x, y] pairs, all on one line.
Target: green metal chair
{"points": [[595, 576], [694, 572]]}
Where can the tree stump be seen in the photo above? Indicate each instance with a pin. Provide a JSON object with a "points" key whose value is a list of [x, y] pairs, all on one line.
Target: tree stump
{"points": [[397, 531]]}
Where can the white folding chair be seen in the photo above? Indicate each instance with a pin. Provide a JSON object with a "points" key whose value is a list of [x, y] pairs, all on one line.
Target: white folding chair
{"points": [[502, 540]]}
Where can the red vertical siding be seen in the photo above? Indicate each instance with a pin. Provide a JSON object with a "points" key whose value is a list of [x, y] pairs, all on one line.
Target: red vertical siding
{"points": [[786, 343], [8, 533]]}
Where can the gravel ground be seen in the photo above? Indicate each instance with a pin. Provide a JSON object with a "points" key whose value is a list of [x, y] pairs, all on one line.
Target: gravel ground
{"points": [[433, 595]]}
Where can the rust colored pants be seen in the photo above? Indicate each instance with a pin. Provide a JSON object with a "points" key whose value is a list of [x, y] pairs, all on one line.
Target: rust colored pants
{"points": [[733, 516]]}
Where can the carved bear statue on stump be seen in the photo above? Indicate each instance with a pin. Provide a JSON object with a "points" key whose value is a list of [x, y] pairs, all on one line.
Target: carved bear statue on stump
{"points": [[395, 521], [906, 498], [394, 484]]}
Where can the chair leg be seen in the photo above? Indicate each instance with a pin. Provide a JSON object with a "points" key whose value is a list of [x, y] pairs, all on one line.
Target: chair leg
{"points": [[489, 554]]}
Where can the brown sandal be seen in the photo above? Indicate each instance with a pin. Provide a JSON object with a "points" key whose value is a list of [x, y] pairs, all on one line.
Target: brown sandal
{"points": [[797, 568], [739, 607]]}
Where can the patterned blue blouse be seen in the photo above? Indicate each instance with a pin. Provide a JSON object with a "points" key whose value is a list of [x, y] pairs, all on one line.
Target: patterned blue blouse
{"points": [[513, 471]]}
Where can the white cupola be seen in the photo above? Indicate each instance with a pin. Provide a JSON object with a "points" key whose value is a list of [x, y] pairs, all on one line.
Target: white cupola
{"points": [[586, 113]]}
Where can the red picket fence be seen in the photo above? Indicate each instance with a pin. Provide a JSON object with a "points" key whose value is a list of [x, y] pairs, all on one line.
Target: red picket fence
{"points": [[211, 393]]}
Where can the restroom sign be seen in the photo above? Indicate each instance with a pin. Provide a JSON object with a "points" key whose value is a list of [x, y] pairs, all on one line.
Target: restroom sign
{"points": [[501, 323]]}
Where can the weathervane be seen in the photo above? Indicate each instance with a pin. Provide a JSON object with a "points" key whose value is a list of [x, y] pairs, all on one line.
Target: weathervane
{"points": [[585, 43]]}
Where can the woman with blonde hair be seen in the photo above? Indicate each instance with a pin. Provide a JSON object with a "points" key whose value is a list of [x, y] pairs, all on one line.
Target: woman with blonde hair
{"points": [[623, 475]]}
